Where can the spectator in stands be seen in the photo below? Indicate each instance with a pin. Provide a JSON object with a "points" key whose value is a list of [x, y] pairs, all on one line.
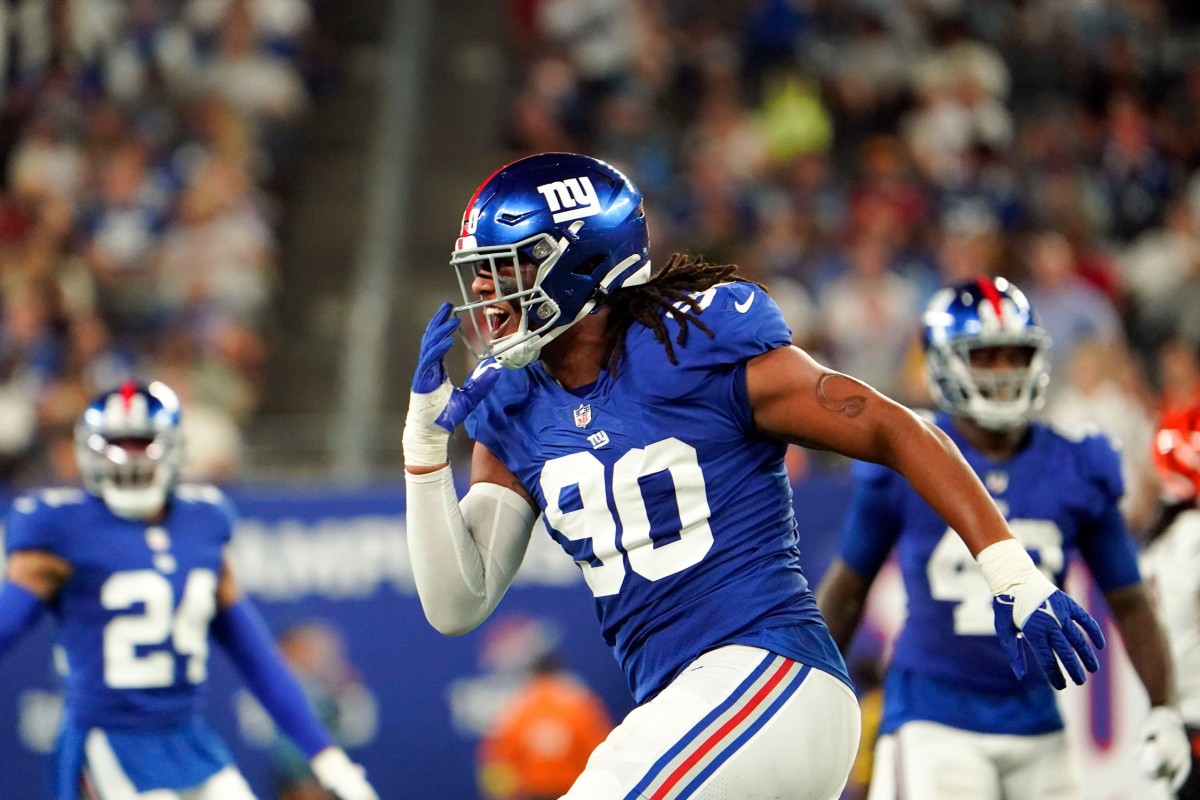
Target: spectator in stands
{"points": [[1158, 265], [130, 205], [867, 314], [1101, 388], [1073, 310], [541, 741]]}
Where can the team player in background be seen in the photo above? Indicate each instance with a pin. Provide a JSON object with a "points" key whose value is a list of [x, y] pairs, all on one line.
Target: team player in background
{"points": [[1171, 561], [645, 416], [134, 570], [958, 724]]}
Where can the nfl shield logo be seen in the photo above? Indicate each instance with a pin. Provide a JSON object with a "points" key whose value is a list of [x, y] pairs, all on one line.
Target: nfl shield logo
{"points": [[583, 416]]}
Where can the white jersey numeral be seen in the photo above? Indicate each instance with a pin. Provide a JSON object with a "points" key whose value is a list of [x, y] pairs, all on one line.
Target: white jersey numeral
{"points": [[156, 623], [955, 576], [592, 519]]}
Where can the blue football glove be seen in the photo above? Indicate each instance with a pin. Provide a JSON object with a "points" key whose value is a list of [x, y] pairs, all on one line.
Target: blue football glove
{"points": [[435, 343], [463, 400], [435, 407], [1038, 617]]}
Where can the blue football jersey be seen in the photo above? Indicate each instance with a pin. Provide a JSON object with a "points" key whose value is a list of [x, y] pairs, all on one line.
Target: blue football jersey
{"points": [[133, 617], [655, 481], [1060, 496]]}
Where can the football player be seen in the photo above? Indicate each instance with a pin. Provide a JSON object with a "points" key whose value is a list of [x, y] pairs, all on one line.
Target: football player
{"points": [[645, 417], [958, 722], [1171, 560], [133, 567]]}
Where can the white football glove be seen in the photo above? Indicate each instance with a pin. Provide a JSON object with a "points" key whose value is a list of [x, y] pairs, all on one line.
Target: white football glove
{"points": [[1164, 751], [336, 772]]}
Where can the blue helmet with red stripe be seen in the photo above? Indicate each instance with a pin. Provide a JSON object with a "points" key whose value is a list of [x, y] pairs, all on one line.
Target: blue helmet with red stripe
{"points": [[555, 233], [961, 323], [129, 448]]}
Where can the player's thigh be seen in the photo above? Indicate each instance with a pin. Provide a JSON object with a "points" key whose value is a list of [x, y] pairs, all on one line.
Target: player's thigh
{"points": [[739, 722], [108, 778], [228, 784], [929, 761], [1040, 768]]}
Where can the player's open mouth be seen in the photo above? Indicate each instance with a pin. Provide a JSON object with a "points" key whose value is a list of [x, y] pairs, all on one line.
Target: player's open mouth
{"points": [[497, 320]]}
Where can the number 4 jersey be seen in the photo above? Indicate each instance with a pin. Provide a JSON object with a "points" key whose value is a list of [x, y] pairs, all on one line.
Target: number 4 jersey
{"points": [[134, 616], [1059, 495], [655, 481]]}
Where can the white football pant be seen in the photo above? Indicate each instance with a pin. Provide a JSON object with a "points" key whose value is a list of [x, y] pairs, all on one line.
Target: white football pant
{"points": [[739, 722], [109, 781], [928, 761]]}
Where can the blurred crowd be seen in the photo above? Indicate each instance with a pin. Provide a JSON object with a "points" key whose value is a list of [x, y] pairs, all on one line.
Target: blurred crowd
{"points": [[143, 145], [856, 154], [851, 154]]}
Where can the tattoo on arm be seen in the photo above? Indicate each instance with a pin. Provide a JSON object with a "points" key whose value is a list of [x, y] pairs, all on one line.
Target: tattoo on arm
{"points": [[851, 404]]}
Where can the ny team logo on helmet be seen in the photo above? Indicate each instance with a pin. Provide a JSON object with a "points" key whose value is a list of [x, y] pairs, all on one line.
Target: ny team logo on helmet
{"points": [[984, 313], [1177, 454], [556, 232], [128, 445]]}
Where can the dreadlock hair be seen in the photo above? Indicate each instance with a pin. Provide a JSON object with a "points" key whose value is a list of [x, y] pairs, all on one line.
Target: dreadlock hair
{"points": [[668, 293]]}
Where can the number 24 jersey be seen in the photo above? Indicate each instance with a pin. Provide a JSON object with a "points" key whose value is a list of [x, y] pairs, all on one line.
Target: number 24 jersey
{"points": [[655, 481], [134, 615]]}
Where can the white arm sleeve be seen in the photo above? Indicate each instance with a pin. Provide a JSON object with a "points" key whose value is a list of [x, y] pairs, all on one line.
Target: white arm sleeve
{"points": [[464, 555]]}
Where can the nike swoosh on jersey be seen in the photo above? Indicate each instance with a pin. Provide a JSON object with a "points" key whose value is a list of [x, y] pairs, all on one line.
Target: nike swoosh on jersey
{"points": [[744, 307]]}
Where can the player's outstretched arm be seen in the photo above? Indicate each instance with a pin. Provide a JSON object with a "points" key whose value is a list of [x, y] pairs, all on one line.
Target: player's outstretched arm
{"points": [[241, 631], [464, 554], [842, 596], [32, 579], [1165, 752], [796, 399]]}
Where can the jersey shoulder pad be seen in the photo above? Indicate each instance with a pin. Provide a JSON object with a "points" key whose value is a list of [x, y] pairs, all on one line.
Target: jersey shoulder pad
{"points": [[207, 495], [34, 521], [1096, 457], [203, 493], [488, 422], [1073, 431], [744, 320]]}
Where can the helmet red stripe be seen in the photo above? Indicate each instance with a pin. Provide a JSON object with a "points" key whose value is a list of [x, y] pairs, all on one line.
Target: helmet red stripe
{"points": [[128, 390], [474, 197], [991, 293]]}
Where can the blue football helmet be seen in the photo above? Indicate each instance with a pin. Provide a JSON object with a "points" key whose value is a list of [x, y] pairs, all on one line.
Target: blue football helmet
{"points": [[983, 313], [556, 232], [129, 448]]}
